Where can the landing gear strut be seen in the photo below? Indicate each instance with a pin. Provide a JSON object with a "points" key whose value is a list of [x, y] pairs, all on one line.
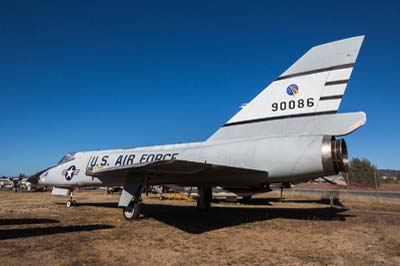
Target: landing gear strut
{"points": [[131, 199], [205, 197], [284, 185]]}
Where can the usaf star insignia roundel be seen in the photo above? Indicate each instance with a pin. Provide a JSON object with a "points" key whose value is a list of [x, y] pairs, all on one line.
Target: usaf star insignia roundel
{"points": [[70, 172]]}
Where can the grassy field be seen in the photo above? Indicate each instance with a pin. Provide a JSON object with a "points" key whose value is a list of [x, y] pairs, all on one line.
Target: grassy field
{"points": [[37, 229]]}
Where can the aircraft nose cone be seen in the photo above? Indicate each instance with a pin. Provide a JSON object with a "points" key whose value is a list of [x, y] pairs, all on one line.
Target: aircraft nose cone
{"points": [[33, 179]]}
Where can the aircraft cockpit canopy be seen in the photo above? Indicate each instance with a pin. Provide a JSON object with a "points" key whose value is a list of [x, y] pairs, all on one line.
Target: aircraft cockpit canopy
{"points": [[67, 157]]}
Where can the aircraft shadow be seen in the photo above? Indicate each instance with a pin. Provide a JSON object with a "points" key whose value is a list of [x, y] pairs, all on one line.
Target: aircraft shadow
{"points": [[267, 201], [260, 201], [325, 201], [21, 221], [190, 220], [96, 204], [39, 231]]}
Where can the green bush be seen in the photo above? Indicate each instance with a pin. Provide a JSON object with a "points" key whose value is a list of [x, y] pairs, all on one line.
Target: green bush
{"points": [[362, 171]]}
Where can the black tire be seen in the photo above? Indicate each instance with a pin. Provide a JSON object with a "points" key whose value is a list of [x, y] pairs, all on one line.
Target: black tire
{"points": [[132, 211], [69, 204], [74, 203]]}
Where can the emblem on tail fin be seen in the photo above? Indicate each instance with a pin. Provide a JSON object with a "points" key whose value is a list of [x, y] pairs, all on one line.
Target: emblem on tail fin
{"points": [[321, 74], [292, 90]]}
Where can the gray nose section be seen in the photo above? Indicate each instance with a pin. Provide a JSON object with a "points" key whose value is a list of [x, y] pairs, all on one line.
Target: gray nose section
{"points": [[35, 179]]}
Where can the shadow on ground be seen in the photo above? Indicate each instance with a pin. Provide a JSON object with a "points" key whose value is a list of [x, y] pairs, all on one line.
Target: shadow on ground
{"points": [[39, 231], [267, 201], [21, 221], [188, 219], [325, 201], [95, 204]]}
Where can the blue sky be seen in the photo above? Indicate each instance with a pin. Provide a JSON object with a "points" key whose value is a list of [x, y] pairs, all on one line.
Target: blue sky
{"points": [[87, 75]]}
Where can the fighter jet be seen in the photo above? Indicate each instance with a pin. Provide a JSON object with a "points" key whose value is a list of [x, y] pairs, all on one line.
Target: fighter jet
{"points": [[14, 182], [288, 133]]}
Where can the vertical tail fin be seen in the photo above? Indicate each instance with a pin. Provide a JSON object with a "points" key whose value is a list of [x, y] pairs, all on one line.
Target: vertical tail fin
{"points": [[314, 84]]}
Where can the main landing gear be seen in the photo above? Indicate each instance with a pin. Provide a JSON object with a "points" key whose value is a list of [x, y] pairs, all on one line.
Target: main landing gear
{"points": [[205, 197], [132, 211], [131, 199]]}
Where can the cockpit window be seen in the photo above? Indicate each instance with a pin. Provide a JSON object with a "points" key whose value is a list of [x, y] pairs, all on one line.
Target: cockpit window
{"points": [[67, 157]]}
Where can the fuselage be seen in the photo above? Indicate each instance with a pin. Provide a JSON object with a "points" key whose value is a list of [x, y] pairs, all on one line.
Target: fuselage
{"points": [[284, 158]]}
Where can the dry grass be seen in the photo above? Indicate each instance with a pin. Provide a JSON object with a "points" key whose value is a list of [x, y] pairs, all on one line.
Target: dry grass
{"points": [[36, 229]]}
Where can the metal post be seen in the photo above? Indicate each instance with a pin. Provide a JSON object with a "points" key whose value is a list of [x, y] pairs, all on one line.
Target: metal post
{"points": [[348, 183], [376, 186]]}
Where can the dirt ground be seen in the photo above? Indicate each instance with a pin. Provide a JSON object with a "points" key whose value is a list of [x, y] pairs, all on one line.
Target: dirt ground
{"points": [[353, 187], [37, 229]]}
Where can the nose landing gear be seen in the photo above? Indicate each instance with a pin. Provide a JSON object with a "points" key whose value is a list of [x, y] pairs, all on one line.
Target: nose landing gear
{"points": [[71, 202]]}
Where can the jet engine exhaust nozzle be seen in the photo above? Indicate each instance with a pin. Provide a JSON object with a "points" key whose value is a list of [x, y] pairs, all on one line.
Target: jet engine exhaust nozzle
{"points": [[334, 155]]}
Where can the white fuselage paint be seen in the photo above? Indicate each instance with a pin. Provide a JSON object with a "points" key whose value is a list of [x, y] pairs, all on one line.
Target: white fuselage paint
{"points": [[284, 159]]}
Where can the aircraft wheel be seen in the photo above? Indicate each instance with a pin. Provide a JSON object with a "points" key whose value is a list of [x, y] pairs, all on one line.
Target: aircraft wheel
{"points": [[132, 211], [74, 203], [69, 204]]}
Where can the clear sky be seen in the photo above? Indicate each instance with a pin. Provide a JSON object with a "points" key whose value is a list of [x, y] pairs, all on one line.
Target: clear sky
{"points": [[87, 75]]}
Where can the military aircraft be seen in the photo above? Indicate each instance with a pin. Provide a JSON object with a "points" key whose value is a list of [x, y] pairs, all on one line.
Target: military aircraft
{"points": [[13, 182], [287, 133]]}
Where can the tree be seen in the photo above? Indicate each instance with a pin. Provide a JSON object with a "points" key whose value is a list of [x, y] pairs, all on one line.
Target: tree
{"points": [[362, 171]]}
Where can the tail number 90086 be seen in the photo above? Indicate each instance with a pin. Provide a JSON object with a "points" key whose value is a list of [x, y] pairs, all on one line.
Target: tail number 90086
{"points": [[293, 104]]}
